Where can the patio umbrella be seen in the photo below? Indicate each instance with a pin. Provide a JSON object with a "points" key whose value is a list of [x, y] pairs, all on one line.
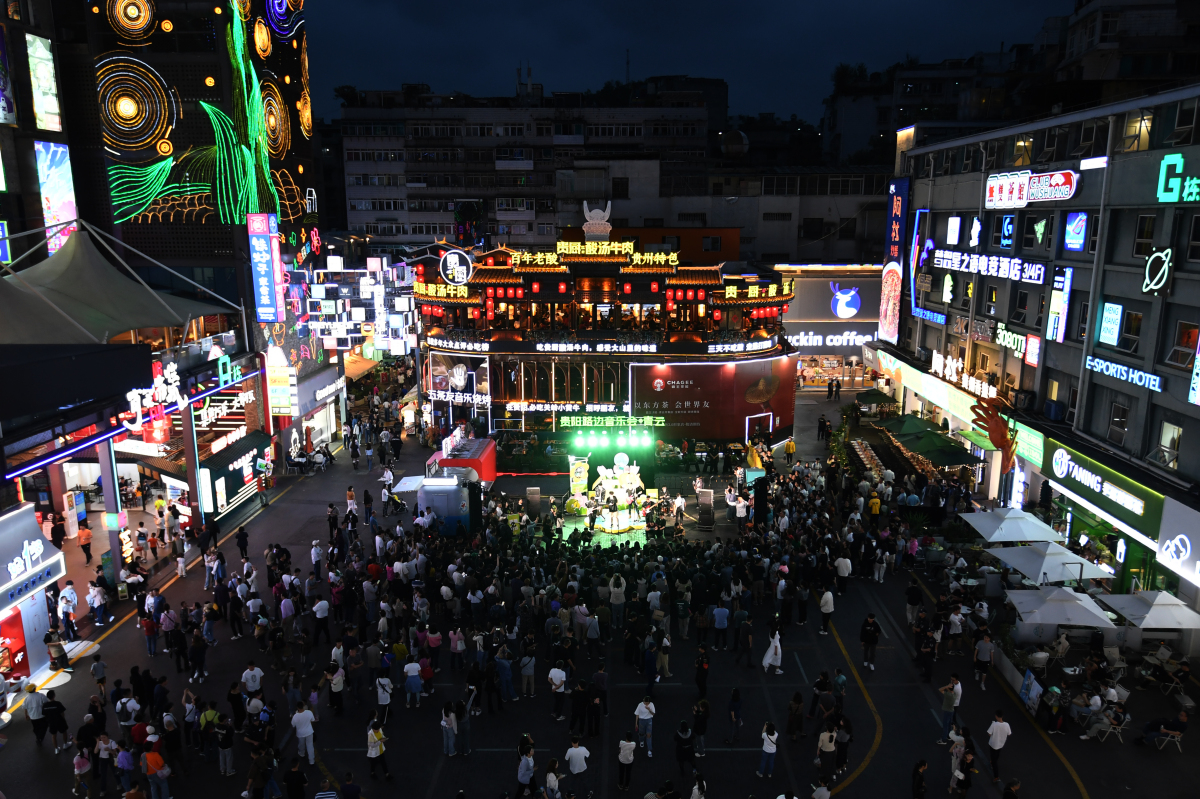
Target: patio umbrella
{"points": [[1054, 605], [874, 397], [1007, 525], [925, 441], [1155, 610], [1046, 562], [950, 456], [907, 424]]}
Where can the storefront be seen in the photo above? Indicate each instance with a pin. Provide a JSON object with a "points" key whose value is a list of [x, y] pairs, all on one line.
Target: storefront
{"points": [[229, 477], [1096, 504], [31, 565], [317, 420], [829, 320]]}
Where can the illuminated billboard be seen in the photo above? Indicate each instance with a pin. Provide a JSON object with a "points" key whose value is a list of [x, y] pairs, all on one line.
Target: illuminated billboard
{"points": [[58, 191], [44, 82], [8, 102], [250, 152]]}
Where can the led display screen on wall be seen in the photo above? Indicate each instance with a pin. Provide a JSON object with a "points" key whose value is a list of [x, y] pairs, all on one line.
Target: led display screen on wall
{"points": [[250, 152], [8, 102], [58, 191], [44, 83]]}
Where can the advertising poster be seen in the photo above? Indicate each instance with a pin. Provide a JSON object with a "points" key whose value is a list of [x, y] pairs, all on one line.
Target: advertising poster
{"points": [[8, 102], [893, 261], [579, 474], [727, 401], [44, 82], [830, 316], [58, 191]]}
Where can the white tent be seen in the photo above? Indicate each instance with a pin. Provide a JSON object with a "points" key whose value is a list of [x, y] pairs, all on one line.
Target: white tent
{"points": [[1154, 610], [1046, 562], [1053, 605], [1008, 525]]}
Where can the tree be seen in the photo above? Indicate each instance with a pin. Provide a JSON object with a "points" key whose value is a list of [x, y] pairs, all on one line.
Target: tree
{"points": [[347, 94]]}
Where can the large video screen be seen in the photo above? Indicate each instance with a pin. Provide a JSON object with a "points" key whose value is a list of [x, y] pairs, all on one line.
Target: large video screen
{"points": [[58, 191], [44, 82], [251, 154], [718, 400]]}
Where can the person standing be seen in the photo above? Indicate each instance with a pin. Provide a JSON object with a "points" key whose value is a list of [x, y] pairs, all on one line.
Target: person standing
{"points": [[826, 610], [700, 714], [376, 741], [789, 450], [773, 655], [302, 723], [576, 758], [983, 659], [868, 635], [770, 739], [745, 642], [702, 670], [951, 697], [827, 751], [525, 775], [918, 779], [644, 718], [558, 686], [625, 752], [685, 749], [998, 732]]}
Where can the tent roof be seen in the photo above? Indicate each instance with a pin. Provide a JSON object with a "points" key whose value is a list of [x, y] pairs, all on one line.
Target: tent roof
{"points": [[357, 366], [1048, 562], [1056, 605], [1007, 525], [1155, 610], [27, 319], [81, 281]]}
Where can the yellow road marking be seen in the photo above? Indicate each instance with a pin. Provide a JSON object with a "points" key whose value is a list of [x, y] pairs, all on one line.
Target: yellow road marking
{"points": [[870, 704], [1029, 716]]}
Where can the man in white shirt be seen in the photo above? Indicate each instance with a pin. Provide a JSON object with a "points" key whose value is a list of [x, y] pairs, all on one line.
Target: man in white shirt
{"points": [[826, 611], [739, 510], [998, 733], [680, 503], [644, 714], [320, 610], [558, 686], [317, 553], [252, 679], [302, 721], [383, 694], [576, 758]]}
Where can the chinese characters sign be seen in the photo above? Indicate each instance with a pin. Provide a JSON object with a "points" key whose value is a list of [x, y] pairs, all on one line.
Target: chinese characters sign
{"points": [[1018, 189], [266, 267], [893, 270], [1173, 185], [596, 248], [612, 421], [1001, 266]]}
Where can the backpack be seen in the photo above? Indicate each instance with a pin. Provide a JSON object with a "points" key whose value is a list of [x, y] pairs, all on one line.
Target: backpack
{"points": [[123, 713]]}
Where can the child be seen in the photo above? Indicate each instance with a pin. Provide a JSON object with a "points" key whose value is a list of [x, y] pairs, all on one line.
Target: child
{"points": [[314, 698], [152, 542], [97, 669], [180, 567]]}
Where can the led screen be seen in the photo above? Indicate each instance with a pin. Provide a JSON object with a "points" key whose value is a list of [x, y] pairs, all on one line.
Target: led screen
{"points": [[8, 103], [58, 191], [44, 83]]}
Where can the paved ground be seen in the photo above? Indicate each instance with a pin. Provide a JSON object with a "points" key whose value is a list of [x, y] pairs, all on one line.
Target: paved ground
{"points": [[894, 714]]}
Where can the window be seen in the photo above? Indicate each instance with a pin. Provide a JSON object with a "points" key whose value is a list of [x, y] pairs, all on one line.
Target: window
{"points": [[1118, 423], [777, 217], [1072, 402], [984, 361], [544, 129], [1052, 390], [967, 292], [1021, 307], [1183, 351], [1087, 141], [671, 243], [1168, 446], [613, 131], [908, 336], [1029, 235], [711, 243], [620, 188], [479, 130], [1193, 250], [969, 154], [846, 185], [376, 205], [1081, 332], [846, 229], [989, 161], [545, 229], [1185, 123], [779, 184], [990, 304], [998, 230], [1037, 323], [1131, 332], [1143, 236], [652, 221], [1136, 133], [671, 129], [1093, 233], [1109, 24], [619, 222], [700, 218], [812, 228]]}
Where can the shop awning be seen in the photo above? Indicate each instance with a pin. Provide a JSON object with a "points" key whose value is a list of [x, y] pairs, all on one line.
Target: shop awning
{"points": [[1154, 610], [357, 366], [874, 397], [907, 424], [82, 283], [977, 438], [1048, 563]]}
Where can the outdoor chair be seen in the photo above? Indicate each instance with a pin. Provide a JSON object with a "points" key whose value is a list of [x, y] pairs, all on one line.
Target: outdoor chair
{"points": [[1117, 731], [1058, 651], [1170, 739]]}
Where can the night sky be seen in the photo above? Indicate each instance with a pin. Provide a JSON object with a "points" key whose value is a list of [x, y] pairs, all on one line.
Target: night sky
{"points": [[776, 56]]}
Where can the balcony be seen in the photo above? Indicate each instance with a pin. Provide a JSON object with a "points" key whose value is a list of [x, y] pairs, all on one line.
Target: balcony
{"points": [[515, 164], [515, 216], [569, 140]]}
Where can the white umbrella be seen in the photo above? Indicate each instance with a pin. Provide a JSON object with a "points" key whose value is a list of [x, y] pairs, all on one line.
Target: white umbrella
{"points": [[1053, 605], [1154, 610], [1008, 525], [1046, 562]]}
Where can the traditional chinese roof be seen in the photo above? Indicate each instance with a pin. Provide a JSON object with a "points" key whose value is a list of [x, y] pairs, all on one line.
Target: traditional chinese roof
{"points": [[594, 259], [657, 269], [495, 274], [696, 276], [528, 269]]}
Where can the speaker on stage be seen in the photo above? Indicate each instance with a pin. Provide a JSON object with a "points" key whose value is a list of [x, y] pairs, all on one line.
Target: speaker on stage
{"points": [[704, 498], [762, 498], [533, 501]]}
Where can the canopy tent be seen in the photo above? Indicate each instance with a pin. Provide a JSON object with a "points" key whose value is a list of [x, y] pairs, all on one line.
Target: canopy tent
{"points": [[1058, 605], [1047, 562], [357, 366], [925, 441], [874, 397], [907, 424], [950, 456], [410, 395], [1155, 610], [82, 283], [1007, 525], [28, 319], [977, 438]]}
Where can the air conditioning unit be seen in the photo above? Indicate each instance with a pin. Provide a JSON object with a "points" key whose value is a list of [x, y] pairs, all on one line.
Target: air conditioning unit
{"points": [[1054, 410], [1024, 400]]}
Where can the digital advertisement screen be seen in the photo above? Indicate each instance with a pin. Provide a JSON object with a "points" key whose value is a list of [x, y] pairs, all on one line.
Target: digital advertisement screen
{"points": [[726, 401], [249, 153], [1075, 235], [8, 102], [44, 81], [1110, 324], [58, 191], [892, 280], [1060, 304]]}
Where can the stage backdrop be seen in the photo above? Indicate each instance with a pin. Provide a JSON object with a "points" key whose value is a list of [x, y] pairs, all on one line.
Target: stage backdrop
{"points": [[719, 400]]}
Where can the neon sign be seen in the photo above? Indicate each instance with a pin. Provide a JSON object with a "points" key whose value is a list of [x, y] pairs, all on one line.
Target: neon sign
{"points": [[1124, 373], [1076, 231], [1158, 273], [916, 262], [1110, 323], [612, 421], [1018, 189], [1011, 340], [1063, 466], [227, 439], [1173, 185], [1001, 266]]}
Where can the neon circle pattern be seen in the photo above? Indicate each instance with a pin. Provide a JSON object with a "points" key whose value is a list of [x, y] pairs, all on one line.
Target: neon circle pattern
{"points": [[137, 108], [132, 19], [304, 105], [262, 39], [277, 123]]}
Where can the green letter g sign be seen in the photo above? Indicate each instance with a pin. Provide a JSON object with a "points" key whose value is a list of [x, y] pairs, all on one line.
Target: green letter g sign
{"points": [[1168, 188]]}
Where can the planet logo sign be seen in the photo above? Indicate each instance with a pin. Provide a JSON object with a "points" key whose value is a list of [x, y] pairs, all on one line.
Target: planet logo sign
{"points": [[845, 303], [1076, 233]]}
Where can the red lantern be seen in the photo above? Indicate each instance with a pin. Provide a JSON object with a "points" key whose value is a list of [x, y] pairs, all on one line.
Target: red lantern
{"points": [[670, 294], [717, 314], [520, 293], [508, 262], [670, 305], [490, 306], [491, 261], [562, 288], [785, 307], [537, 287], [654, 286], [691, 294], [511, 292], [441, 253], [420, 269], [628, 288], [491, 314], [700, 294], [474, 313], [491, 292], [754, 314]]}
